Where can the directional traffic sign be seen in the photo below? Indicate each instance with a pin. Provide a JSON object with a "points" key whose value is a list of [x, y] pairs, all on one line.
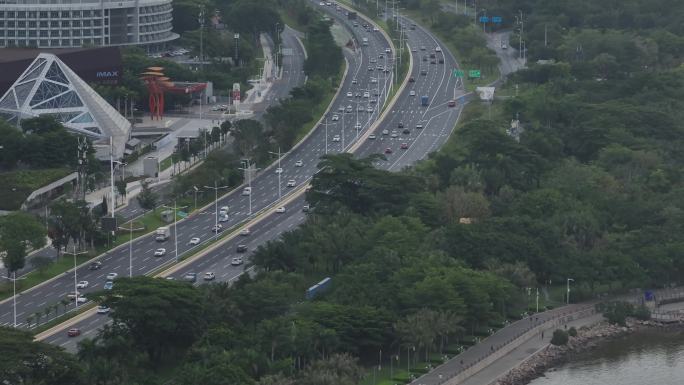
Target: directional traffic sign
{"points": [[496, 19], [458, 74], [474, 74], [182, 214], [484, 19]]}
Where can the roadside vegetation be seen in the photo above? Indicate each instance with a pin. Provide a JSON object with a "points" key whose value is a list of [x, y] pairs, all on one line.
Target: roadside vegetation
{"points": [[428, 261]]}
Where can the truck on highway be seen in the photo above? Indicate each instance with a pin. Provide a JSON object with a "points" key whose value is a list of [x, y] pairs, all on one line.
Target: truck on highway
{"points": [[424, 100], [163, 233]]}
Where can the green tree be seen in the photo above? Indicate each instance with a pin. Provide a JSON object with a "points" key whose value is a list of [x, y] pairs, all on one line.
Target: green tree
{"points": [[25, 361], [149, 310], [17, 231], [147, 198], [560, 337]]}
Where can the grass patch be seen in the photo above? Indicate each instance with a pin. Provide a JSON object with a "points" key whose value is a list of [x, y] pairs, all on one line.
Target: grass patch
{"points": [[16, 186], [33, 278], [166, 163]]}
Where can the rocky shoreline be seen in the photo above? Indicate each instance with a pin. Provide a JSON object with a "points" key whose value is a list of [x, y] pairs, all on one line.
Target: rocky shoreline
{"points": [[587, 338]]}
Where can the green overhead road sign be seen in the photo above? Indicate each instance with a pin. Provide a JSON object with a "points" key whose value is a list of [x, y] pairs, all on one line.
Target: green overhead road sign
{"points": [[474, 73], [458, 74]]}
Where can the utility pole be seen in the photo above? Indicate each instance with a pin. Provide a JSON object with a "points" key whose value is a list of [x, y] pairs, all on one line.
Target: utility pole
{"points": [[14, 280], [200, 19], [545, 35], [280, 171], [326, 132], [522, 27], [76, 293], [568, 289], [175, 232], [216, 188], [248, 169], [111, 170]]}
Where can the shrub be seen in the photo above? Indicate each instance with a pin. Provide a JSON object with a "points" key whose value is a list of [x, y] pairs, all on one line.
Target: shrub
{"points": [[572, 332], [560, 337], [642, 313]]}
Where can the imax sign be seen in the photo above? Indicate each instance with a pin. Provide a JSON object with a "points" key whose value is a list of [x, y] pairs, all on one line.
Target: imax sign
{"points": [[107, 74]]}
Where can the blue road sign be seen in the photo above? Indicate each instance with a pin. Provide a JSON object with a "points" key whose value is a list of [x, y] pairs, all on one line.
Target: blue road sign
{"points": [[484, 19], [496, 19]]}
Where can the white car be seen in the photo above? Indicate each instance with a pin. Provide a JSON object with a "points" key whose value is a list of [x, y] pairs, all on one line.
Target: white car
{"points": [[357, 126], [336, 138], [102, 309], [385, 132], [335, 118], [291, 183], [353, 82], [81, 299], [366, 94], [350, 94], [160, 252], [375, 29], [419, 126], [245, 232], [373, 60], [82, 285], [217, 228], [246, 191], [224, 209], [280, 209], [412, 93], [394, 134], [209, 276], [388, 50], [374, 80], [437, 49], [371, 136], [111, 276], [236, 261], [369, 109], [299, 163], [194, 241], [223, 218], [340, 109], [72, 295], [279, 170]]}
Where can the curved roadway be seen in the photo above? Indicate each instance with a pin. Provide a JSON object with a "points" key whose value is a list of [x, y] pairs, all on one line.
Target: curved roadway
{"points": [[438, 120]]}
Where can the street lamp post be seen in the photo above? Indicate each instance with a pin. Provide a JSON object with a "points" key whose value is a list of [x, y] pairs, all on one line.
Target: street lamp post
{"points": [[249, 170], [130, 247], [76, 294], [216, 188], [175, 231], [280, 171], [14, 280], [326, 133], [568, 289]]}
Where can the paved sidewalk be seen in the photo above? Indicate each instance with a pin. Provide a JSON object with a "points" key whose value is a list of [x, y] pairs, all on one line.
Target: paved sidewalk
{"points": [[522, 353]]}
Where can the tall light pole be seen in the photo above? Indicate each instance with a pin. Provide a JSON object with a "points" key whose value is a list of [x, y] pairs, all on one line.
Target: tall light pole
{"points": [[248, 169], [195, 191], [326, 132], [130, 247], [123, 169], [175, 232], [522, 26], [216, 188], [280, 171], [111, 170], [76, 294], [14, 280], [568, 289]]}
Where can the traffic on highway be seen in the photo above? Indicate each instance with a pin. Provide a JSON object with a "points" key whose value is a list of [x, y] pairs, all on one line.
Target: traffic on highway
{"points": [[410, 131]]}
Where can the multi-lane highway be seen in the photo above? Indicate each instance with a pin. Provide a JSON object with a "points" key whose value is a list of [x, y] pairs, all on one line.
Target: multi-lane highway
{"points": [[438, 118], [265, 193]]}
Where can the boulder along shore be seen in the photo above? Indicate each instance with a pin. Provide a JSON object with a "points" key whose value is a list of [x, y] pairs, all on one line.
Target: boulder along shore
{"points": [[588, 337]]}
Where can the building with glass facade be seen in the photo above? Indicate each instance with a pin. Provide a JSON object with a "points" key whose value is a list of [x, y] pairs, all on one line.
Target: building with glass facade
{"points": [[50, 87], [77, 23]]}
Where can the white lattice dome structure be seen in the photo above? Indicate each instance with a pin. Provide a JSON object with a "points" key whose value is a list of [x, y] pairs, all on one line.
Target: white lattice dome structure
{"points": [[50, 87]]}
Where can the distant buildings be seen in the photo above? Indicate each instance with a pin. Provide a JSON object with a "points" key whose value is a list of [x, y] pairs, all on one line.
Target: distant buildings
{"points": [[77, 23]]}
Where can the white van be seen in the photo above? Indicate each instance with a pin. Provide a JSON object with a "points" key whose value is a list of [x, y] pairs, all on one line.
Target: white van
{"points": [[247, 191]]}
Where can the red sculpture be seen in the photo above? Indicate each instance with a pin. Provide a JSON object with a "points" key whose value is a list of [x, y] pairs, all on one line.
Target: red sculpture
{"points": [[157, 84]]}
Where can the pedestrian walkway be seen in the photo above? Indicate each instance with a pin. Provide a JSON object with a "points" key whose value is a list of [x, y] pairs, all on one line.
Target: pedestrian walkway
{"points": [[523, 352]]}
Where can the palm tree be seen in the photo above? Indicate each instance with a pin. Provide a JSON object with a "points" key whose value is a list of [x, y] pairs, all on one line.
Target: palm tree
{"points": [[447, 323], [64, 302]]}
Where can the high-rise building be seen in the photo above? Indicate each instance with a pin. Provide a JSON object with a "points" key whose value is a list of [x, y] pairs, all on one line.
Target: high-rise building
{"points": [[77, 23]]}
